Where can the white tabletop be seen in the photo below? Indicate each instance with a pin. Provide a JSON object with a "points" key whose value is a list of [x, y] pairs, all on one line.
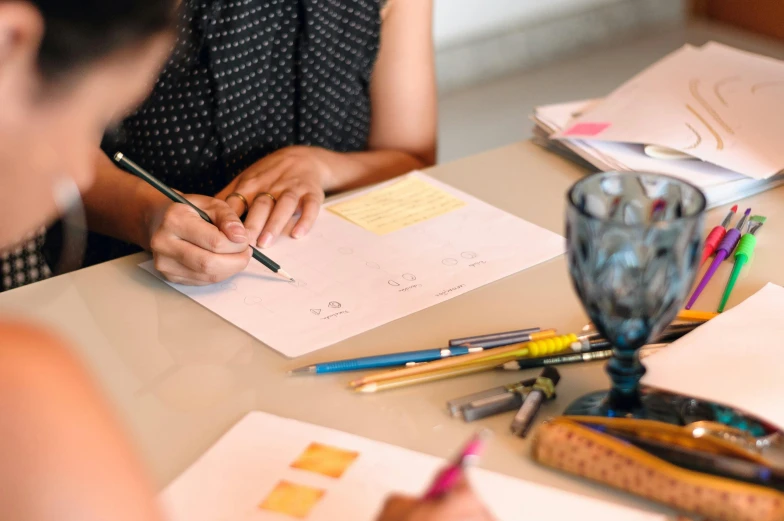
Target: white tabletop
{"points": [[181, 376]]}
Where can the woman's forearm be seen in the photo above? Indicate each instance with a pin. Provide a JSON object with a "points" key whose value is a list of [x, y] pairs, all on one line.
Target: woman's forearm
{"points": [[120, 205], [354, 169]]}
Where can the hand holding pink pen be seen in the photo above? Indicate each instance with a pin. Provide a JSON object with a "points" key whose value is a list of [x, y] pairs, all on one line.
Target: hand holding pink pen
{"points": [[725, 249], [449, 497], [452, 474]]}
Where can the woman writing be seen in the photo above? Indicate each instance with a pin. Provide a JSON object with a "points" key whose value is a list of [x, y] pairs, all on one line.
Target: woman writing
{"points": [[264, 107]]}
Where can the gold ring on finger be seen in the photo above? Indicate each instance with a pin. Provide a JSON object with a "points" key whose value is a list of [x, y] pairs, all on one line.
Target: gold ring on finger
{"points": [[241, 198], [267, 194]]}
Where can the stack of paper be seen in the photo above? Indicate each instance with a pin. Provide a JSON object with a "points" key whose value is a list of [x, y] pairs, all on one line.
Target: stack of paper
{"points": [[272, 469], [719, 107]]}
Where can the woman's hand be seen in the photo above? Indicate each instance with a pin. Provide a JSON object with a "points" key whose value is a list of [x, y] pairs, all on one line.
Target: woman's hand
{"points": [[278, 186], [461, 504], [189, 250]]}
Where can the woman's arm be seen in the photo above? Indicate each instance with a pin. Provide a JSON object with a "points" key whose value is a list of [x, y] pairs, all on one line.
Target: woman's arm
{"points": [[402, 135], [403, 100], [64, 455], [121, 205]]}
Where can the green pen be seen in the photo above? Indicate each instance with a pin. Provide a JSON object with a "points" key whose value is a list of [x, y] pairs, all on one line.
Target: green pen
{"points": [[742, 255]]}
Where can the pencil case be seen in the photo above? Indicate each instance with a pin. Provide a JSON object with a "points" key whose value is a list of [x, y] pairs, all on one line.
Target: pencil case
{"points": [[567, 444]]}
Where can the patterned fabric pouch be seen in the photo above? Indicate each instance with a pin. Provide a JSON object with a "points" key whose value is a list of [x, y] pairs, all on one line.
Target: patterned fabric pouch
{"points": [[640, 456]]}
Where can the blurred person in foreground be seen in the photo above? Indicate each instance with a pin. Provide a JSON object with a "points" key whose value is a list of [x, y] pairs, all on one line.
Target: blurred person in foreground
{"points": [[68, 70]]}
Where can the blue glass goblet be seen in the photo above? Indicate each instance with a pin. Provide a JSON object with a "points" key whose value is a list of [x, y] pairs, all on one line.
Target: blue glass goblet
{"points": [[634, 241]]}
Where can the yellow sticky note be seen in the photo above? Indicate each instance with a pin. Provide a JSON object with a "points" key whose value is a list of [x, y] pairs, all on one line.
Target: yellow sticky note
{"points": [[326, 460], [292, 499], [409, 201]]}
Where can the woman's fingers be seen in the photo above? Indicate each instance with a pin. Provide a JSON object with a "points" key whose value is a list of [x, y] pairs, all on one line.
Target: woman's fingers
{"points": [[189, 250], [311, 205], [259, 212], [225, 234], [287, 203], [186, 263]]}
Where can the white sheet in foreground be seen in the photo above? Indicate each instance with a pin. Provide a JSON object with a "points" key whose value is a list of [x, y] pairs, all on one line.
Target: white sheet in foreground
{"points": [[735, 359], [232, 478], [350, 280]]}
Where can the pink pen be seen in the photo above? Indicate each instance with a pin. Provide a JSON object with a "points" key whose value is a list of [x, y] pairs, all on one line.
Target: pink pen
{"points": [[726, 247], [451, 475]]}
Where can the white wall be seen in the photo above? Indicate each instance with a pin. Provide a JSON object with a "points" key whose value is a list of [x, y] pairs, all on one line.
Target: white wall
{"points": [[457, 21]]}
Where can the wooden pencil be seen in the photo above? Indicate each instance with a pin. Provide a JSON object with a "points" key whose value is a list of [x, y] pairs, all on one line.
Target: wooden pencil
{"points": [[546, 345], [432, 376]]}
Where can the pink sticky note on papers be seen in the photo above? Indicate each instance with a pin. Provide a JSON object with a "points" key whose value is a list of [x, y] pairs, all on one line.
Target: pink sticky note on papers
{"points": [[586, 129]]}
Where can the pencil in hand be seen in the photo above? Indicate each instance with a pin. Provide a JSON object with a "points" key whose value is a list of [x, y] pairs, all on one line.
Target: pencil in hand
{"points": [[138, 171]]}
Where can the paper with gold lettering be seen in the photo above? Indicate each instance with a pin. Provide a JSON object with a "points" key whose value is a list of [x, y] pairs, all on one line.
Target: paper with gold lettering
{"points": [[350, 279]]}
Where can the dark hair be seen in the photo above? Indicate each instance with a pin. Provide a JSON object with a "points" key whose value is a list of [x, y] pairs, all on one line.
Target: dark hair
{"points": [[78, 32]]}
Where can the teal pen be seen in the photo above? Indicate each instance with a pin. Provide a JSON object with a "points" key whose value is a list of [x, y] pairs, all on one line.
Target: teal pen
{"points": [[177, 198], [389, 360]]}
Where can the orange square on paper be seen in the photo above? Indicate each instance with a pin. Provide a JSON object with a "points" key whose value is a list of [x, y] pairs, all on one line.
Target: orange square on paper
{"points": [[325, 460], [292, 499]]}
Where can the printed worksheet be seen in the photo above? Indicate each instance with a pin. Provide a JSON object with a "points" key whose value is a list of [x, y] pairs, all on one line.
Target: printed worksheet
{"points": [[372, 258], [268, 468]]}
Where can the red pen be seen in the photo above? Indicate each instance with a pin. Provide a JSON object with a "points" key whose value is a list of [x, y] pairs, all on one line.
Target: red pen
{"points": [[450, 476], [717, 235]]}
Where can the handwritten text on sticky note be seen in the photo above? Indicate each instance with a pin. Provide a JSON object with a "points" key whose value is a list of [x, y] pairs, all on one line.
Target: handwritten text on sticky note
{"points": [[406, 202]]}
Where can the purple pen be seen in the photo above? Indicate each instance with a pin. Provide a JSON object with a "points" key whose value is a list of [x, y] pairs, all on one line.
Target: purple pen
{"points": [[726, 247]]}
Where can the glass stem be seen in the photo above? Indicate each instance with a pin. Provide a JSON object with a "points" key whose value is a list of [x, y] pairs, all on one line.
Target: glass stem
{"points": [[625, 371]]}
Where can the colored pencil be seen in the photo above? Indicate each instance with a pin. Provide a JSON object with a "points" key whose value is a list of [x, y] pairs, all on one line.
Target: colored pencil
{"points": [[500, 355], [573, 358], [397, 359], [432, 376], [693, 315], [487, 340]]}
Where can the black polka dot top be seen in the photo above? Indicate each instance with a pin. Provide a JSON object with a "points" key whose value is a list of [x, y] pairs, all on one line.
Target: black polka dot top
{"points": [[246, 78]]}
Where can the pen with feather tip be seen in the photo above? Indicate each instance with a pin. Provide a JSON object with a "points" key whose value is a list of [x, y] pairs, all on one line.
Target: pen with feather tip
{"points": [[716, 235], [742, 255], [724, 250], [140, 172]]}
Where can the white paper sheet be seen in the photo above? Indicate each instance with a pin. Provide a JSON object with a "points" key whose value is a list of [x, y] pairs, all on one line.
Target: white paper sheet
{"points": [[232, 478], [736, 359], [350, 280], [717, 103]]}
